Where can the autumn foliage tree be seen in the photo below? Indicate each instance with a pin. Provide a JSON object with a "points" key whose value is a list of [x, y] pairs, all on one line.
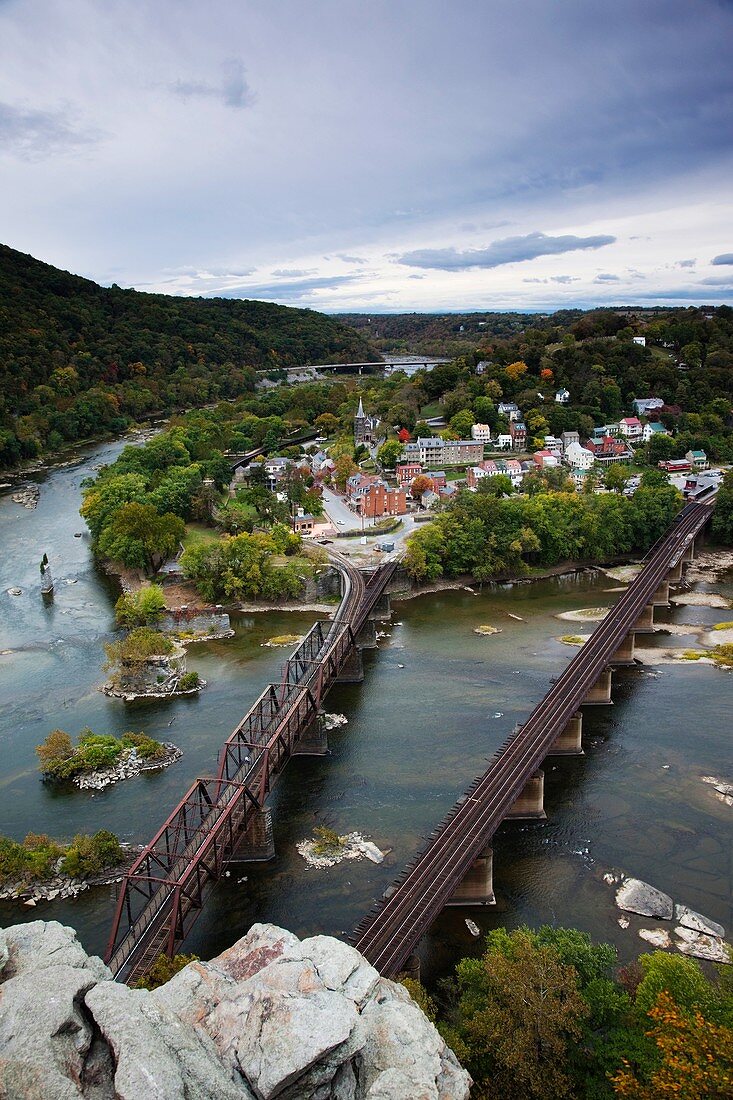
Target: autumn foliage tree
{"points": [[695, 1058], [421, 484]]}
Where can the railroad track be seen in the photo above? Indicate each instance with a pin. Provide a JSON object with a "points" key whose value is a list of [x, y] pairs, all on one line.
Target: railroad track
{"points": [[388, 934]]}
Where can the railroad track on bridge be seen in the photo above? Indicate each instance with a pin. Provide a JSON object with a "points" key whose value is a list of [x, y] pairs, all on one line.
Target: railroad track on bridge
{"points": [[388, 935], [165, 889]]}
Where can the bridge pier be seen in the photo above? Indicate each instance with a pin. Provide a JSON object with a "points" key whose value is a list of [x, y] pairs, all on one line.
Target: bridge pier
{"points": [[530, 803], [382, 609], [676, 573], [600, 693], [352, 671], [645, 623], [477, 886], [570, 741], [313, 741], [411, 968], [367, 636], [258, 843], [661, 596], [624, 655]]}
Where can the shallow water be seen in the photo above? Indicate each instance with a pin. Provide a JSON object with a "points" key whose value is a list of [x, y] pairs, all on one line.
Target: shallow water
{"points": [[415, 737]]}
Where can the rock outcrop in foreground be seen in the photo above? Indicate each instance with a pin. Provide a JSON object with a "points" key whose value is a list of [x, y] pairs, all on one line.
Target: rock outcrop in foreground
{"points": [[273, 1016]]}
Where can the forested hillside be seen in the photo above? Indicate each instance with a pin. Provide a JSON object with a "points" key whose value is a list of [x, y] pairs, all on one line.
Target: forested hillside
{"points": [[77, 359]]}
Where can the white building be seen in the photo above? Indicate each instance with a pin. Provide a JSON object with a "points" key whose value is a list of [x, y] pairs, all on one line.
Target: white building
{"points": [[640, 340], [644, 405], [562, 396], [510, 409], [481, 432], [631, 428], [503, 443], [577, 457]]}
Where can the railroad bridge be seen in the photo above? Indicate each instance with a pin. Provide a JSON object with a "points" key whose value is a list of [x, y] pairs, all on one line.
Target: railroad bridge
{"points": [[455, 866], [225, 817]]}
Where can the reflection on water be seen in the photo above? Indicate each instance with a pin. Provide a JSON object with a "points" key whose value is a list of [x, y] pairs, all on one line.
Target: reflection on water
{"points": [[416, 735]]}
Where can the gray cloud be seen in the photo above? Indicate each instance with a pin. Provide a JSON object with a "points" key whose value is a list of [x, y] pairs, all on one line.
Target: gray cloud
{"points": [[350, 259], [606, 278], [509, 250], [686, 263], [724, 258], [297, 290], [32, 134], [233, 89], [717, 280], [555, 279], [293, 272]]}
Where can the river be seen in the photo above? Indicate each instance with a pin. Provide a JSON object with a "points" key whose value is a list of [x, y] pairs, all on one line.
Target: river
{"points": [[436, 701]]}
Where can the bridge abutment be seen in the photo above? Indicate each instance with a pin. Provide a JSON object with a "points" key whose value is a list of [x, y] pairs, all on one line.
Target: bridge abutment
{"points": [[352, 671], [258, 843], [530, 803], [570, 741], [477, 886], [600, 693], [676, 573]]}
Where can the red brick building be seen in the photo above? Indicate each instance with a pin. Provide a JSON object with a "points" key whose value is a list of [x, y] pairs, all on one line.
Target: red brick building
{"points": [[380, 499]]}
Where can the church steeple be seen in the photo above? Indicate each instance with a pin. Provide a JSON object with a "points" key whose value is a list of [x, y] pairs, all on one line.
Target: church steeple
{"points": [[360, 412]]}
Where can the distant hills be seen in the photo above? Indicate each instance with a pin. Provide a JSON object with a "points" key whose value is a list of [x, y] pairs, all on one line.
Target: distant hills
{"points": [[78, 359]]}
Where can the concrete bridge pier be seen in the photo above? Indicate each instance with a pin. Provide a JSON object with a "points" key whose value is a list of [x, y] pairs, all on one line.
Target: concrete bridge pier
{"points": [[352, 671], [645, 623], [530, 803], [661, 596], [382, 609], [258, 843], [570, 741], [676, 573], [367, 636], [624, 655], [600, 693], [411, 969], [477, 887], [313, 741]]}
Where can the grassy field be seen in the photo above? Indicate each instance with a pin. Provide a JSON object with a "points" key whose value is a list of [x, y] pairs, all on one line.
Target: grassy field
{"points": [[199, 535]]}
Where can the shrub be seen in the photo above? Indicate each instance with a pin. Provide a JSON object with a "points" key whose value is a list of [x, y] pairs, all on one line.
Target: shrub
{"points": [[38, 855], [163, 969], [143, 608], [328, 842], [93, 752], [137, 647], [188, 681]]}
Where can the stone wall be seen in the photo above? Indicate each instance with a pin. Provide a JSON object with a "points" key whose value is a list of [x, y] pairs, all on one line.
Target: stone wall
{"points": [[271, 1017]]}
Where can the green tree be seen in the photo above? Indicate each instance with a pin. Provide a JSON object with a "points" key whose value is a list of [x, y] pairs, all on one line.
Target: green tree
{"points": [[517, 1013], [390, 453], [723, 513], [138, 536]]}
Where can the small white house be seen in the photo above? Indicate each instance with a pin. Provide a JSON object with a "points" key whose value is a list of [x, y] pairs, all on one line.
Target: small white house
{"points": [[651, 429], [481, 433], [631, 428], [640, 340], [503, 443], [562, 396]]}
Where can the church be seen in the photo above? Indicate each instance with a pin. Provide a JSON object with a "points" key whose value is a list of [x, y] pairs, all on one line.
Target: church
{"points": [[365, 427]]}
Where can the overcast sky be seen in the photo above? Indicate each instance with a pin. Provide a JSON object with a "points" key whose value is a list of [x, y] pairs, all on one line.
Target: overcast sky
{"points": [[374, 155]]}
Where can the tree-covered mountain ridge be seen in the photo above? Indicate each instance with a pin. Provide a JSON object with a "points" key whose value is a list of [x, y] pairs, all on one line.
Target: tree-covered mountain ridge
{"points": [[78, 359]]}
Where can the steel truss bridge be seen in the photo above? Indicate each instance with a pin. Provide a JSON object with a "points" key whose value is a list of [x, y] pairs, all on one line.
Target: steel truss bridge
{"points": [[388, 935], [166, 888]]}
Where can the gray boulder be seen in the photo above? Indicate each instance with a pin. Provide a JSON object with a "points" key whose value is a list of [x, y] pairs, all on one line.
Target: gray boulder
{"points": [[636, 896], [688, 918]]}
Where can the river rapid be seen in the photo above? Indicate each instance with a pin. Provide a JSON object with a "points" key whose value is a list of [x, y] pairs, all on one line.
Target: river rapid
{"points": [[436, 701]]}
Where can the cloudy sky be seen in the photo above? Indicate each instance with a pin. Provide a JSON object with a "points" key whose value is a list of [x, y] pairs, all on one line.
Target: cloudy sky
{"points": [[374, 154]]}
